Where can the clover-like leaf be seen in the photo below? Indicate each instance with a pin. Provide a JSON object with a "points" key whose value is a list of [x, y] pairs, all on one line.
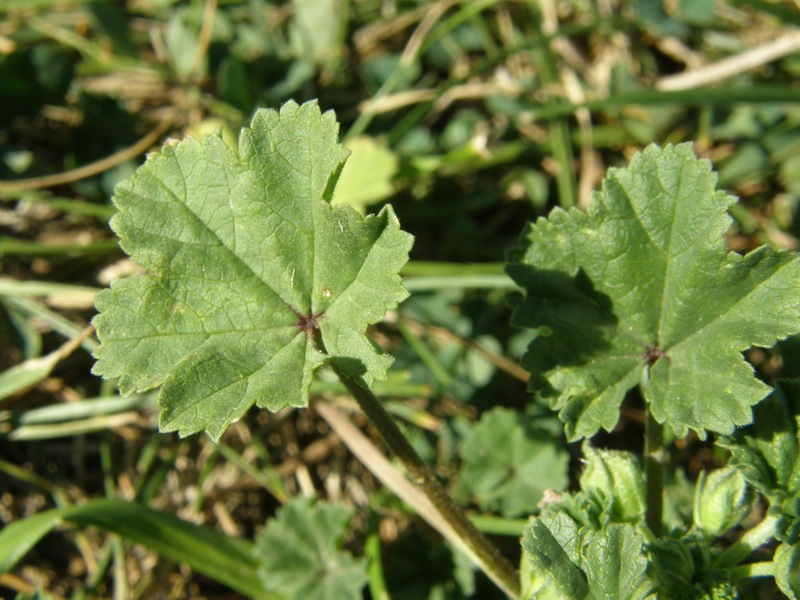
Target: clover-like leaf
{"points": [[300, 554], [641, 290], [509, 463], [254, 280]]}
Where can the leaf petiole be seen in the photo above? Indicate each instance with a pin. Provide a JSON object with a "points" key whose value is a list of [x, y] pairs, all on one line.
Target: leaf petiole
{"points": [[654, 472], [759, 569], [750, 542], [491, 561]]}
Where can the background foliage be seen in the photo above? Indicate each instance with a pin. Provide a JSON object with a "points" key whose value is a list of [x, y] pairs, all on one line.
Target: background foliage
{"points": [[471, 118]]}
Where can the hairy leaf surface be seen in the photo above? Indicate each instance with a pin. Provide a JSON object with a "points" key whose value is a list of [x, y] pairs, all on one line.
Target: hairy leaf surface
{"points": [[613, 483], [767, 453], [641, 289], [787, 572], [583, 563], [254, 280]]}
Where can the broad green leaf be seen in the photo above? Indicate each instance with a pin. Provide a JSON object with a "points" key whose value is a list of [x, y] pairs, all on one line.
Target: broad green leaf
{"points": [[641, 290], [612, 490], [508, 463], [300, 553], [182, 42], [254, 281], [315, 30]]}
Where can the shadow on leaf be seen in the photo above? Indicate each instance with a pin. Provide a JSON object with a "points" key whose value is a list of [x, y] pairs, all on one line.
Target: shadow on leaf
{"points": [[352, 368], [574, 321]]}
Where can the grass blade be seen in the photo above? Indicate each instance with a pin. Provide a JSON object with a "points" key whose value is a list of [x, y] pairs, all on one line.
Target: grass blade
{"points": [[226, 559]]}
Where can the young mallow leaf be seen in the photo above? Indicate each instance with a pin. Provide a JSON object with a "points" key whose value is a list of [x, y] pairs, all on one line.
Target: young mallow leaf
{"points": [[509, 463], [767, 453], [300, 553], [641, 289], [583, 563], [254, 281]]}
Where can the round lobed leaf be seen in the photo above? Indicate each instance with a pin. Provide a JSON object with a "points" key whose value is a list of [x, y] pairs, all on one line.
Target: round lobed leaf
{"points": [[254, 281], [641, 290]]}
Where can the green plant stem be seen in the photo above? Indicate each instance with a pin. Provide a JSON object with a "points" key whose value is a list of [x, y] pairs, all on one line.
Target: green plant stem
{"points": [[500, 525], [377, 582], [444, 282], [654, 473], [425, 268], [748, 571], [752, 540], [494, 564]]}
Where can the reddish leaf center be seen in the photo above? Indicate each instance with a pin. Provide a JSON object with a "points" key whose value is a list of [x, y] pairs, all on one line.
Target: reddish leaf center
{"points": [[653, 353], [309, 324]]}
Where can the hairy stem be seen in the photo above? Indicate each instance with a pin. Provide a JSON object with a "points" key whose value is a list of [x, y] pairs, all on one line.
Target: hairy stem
{"points": [[654, 472], [493, 563], [750, 542], [750, 570]]}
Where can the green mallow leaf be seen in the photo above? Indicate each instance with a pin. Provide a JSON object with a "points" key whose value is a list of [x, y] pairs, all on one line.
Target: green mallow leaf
{"points": [[254, 281], [509, 463], [584, 563], [615, 563], [641, 290], [672, 566], [613, 482], [594, 543], [722, 500], [300, 555], [615, 560], [767, 453], [612, 490], [787, 569], [551, 545]]}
